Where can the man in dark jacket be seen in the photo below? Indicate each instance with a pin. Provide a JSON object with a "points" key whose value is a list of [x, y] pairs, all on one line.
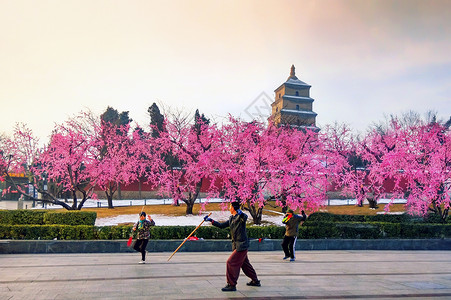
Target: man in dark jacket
{"points": [[291, 221], [240, 244]]}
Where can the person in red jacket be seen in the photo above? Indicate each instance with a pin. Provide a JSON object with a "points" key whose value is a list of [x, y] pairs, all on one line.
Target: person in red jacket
{"points": [[240, 244], [291, 221]]}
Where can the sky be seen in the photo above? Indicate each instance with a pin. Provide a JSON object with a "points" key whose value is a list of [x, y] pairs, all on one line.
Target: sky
{"points": [[364, 59]]}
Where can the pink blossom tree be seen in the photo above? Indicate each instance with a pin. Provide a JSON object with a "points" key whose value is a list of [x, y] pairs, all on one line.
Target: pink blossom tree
{"points": [[186, 148], [258, 162], [244, 165], [24, 155], [147, 160], [339, 140], [4, 160], [82, 153], [67, 160], [115, 164], [423, 159], [363, 175], [19, 155], [374, 149], [307, 169]]}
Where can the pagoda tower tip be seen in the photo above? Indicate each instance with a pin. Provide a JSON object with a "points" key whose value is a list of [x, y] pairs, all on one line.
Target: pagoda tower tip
{"points": [[292, 72]]}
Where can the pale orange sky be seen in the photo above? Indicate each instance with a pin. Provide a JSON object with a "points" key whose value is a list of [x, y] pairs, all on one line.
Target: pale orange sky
{"points": [[363, 59]]}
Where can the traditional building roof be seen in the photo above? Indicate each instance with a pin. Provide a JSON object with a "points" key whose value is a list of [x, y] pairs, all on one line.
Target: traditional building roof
{"points": [[298, 112], [297, 98], [293, 81], [292, 105]]}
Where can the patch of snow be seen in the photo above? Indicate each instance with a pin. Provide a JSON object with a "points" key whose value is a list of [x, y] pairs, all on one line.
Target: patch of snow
{"points": [[193, 220], [354, 201]]}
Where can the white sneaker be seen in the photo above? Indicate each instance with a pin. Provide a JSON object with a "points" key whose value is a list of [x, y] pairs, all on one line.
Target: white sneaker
{"points": [[142, 262]]}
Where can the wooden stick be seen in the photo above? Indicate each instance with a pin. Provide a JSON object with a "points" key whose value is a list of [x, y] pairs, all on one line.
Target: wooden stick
{"points": [[129, 242], [187, 238], [273, 211]]}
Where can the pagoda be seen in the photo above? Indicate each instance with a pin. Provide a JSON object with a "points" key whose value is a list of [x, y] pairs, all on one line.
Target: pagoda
{"points": [[292, 105]]}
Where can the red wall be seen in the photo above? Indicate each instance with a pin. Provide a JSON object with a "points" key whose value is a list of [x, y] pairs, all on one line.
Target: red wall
{"points": [[134, 186], [388, 186]]}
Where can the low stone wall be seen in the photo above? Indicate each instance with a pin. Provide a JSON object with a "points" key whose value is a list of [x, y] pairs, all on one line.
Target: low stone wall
{"points": [[120, 246]]}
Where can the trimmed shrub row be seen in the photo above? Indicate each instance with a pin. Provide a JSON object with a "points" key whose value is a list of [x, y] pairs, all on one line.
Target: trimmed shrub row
{"points": [[39, 217], [404, 218], [70, 218], [48, 232], [375, 230], [22, 216]]}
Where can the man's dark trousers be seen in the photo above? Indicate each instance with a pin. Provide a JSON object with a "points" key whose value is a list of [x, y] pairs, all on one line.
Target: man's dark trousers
{"points": [[288, 245], [239, 260]]}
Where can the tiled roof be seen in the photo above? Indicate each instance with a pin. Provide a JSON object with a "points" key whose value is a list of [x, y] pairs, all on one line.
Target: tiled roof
{"points": [[301, 112]]}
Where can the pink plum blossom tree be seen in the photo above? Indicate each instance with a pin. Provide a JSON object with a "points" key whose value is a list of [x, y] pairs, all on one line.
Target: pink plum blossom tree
{"points": [[68, 159], [244, 165], [374, 149], [188, 147], [307, 168], [339, 140], [258, 162], [423, 159], [115, 163], [19, 155]]}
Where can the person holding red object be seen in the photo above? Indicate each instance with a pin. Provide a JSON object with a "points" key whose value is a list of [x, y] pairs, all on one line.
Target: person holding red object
{"points": [[143, 227], [240, 244]]}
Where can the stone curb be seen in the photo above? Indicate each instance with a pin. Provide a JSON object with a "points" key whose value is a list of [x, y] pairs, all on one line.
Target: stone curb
{"points": [[120, 246]]}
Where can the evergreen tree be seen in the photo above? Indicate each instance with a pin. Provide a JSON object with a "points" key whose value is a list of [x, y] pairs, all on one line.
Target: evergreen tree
{"points": [[114, 125], [156, 120], [199, 120], [113, 117]]}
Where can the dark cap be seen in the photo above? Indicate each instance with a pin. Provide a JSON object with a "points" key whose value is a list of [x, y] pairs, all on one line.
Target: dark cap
{"points": [[236, 205], [290, 211], [142, 214]]}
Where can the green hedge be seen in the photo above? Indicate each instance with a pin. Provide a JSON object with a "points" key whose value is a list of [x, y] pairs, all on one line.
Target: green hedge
{"points": [[163, 232], [374, 230], [212, 232], [426, 230], [114, 232], [271, 232], [328, 217], [45, 217], [65, 232], [22, 216], [70, 218], [337, 230], [76, 225], [48, 232], [352, 230]]}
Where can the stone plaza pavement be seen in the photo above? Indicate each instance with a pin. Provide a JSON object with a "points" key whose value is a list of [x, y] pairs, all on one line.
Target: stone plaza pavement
{"points": [[201, 275]]}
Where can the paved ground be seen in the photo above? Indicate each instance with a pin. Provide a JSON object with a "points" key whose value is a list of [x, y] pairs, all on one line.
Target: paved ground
{"points": [[315, 275]]}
